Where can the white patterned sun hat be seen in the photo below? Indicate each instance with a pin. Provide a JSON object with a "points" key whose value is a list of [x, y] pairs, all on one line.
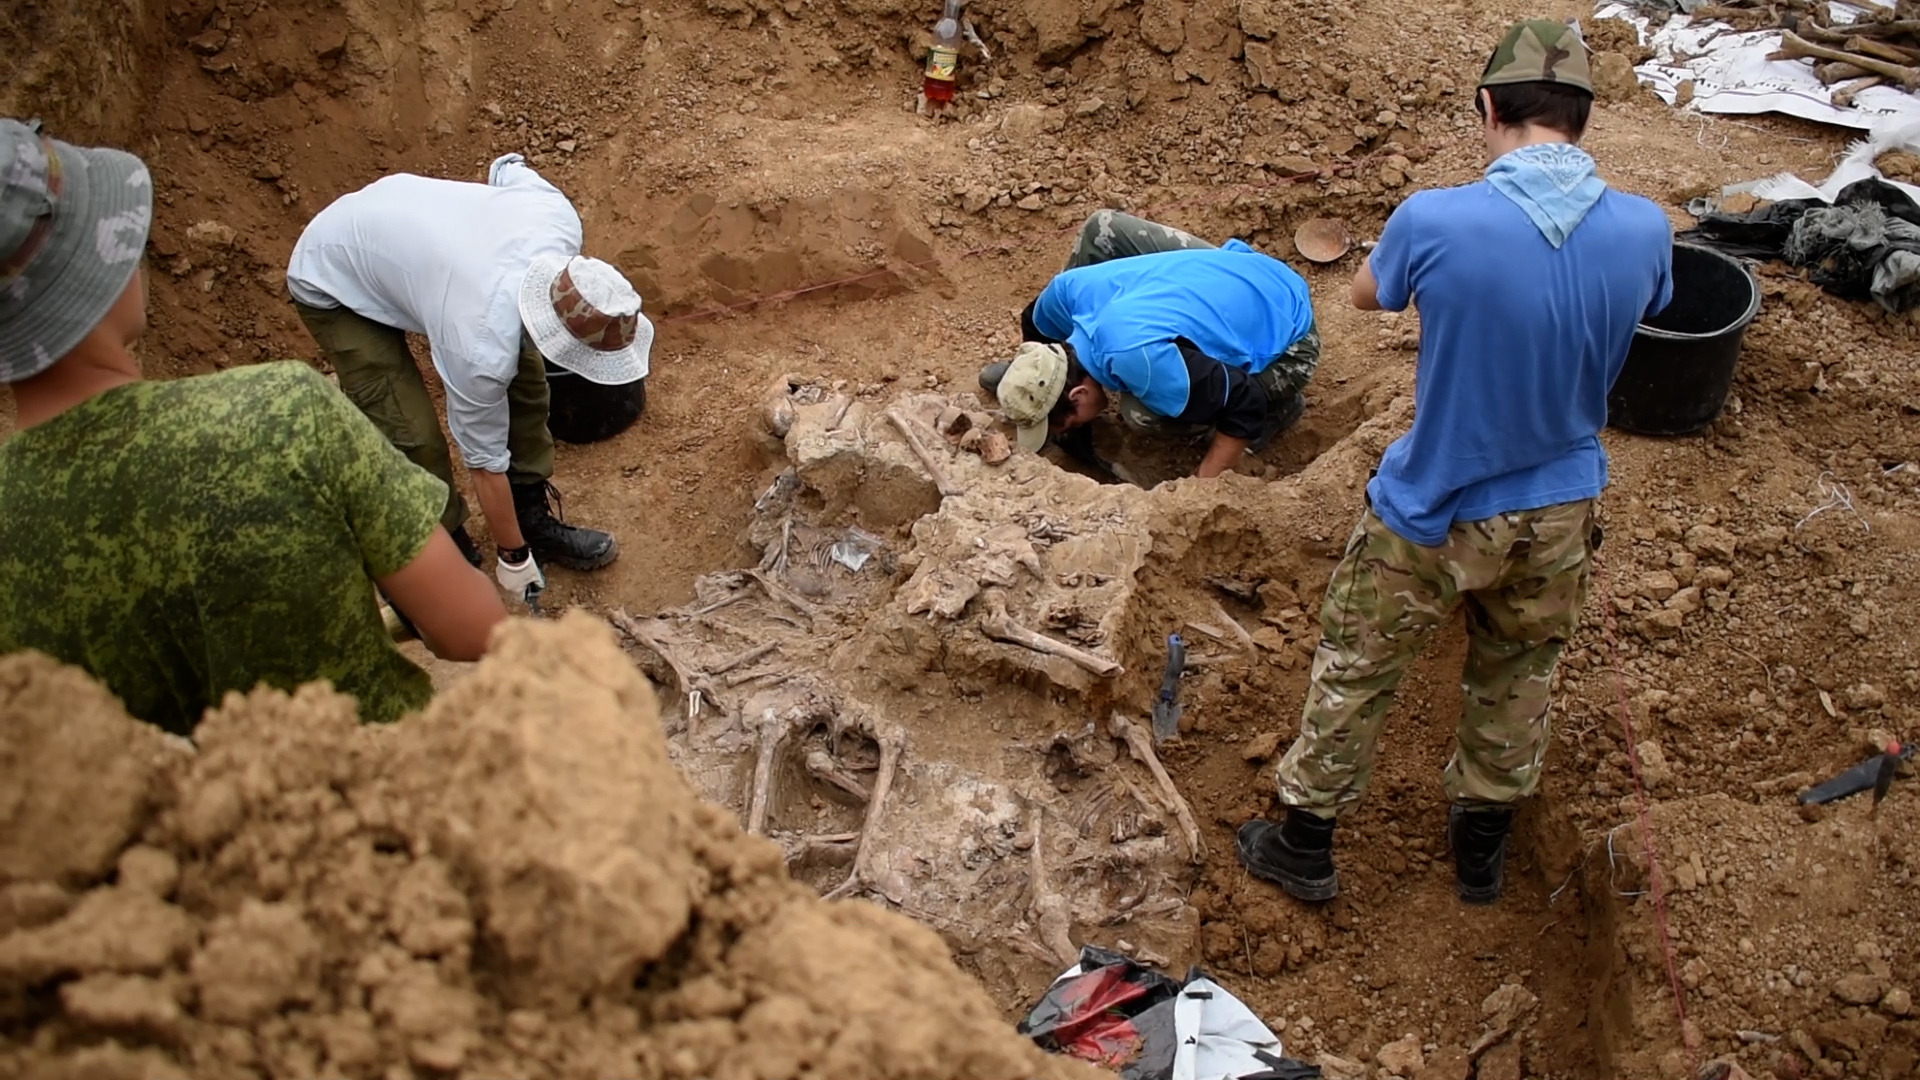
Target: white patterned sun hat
{"points": [[585, 317], [73, 227]]}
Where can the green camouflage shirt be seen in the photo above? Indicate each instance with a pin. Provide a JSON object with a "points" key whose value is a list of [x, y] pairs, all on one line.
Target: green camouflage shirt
{"points": [[182, 539]]}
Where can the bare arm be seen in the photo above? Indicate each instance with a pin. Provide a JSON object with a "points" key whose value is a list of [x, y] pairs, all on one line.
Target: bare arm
{"points": [[496, 502], [1222, 453], [1366, 291], [453, 606]]}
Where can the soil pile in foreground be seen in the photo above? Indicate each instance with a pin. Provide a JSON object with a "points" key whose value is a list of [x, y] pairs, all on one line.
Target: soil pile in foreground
{"points": [[516, 883]]}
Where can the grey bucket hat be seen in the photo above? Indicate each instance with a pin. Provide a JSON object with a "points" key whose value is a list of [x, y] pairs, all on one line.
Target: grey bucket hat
{"points": [[73, 226]]}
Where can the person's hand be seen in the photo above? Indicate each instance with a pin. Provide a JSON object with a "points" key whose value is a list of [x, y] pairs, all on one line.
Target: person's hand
{"points": [[516, 577]]}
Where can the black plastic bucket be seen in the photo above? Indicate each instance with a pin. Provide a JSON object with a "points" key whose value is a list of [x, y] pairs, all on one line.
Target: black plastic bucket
{"points": [[585, 412], [1680, 366]]}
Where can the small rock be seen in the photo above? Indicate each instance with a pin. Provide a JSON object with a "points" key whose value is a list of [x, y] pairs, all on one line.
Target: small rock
{"points": [[1031, 202], [1392, 178], [1859, 989], [1261, 747], [975, 199], [568, 146], [1269, 639], [1401, 1057], [1296, 165], [198, 124], [268, 170], [1711, 542], [211, 234], [994, 448], [1335, 1067], [1686, 601], [1662, 624], [209, 42], [1089, 107], [1896, 1002], [1507, 1004], [1613, 77], [334, 47], [1658, 585], [1684, 877]]}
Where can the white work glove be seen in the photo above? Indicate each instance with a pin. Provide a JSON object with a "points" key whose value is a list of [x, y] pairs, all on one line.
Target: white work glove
{"points": [[516, 578]]}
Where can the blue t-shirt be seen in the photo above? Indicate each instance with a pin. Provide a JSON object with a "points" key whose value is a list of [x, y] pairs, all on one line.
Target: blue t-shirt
{"points": [[1121, 316], [1519, 345]]}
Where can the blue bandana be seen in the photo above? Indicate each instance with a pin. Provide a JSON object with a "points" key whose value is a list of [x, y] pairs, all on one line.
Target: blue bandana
{"points": [[1554, 183]]}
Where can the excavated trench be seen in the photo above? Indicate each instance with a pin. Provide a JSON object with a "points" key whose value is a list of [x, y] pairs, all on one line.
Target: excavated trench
{"points": [[934, 699]]}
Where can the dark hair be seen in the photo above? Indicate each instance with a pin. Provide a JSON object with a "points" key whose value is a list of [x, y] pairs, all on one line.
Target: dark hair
{"points": [[1075, 376], [1557, 106]]}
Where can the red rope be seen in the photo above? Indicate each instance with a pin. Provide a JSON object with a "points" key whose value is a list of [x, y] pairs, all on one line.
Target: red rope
{"points": [[1656, 885]]}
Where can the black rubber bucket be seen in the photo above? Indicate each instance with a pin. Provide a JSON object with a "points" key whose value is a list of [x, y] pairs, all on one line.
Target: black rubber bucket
{"points": [[1680, 366], [586, 412]]}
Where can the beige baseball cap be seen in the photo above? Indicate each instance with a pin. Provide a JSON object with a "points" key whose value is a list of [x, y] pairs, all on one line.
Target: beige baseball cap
{"points": [[1031, 388]]}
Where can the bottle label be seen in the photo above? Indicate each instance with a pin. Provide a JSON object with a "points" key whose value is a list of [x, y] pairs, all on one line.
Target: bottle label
{"points": [[941, 63]]}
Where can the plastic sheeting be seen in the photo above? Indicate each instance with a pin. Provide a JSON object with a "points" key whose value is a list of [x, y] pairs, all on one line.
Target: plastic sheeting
{"points": [[1121, 1015], [1731, 74]]}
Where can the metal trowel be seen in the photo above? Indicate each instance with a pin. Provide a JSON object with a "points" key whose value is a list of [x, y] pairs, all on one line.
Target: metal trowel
{"points": [[1166, 705]]}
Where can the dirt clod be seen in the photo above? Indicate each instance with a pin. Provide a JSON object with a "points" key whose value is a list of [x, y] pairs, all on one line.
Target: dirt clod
{"points": [[393, 897]]}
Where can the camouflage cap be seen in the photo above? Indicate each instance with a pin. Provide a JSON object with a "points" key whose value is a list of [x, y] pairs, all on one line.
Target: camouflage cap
{"points": [[1540, 50], [73, 226]]}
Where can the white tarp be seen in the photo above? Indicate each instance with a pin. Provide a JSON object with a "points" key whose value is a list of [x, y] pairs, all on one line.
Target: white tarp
{"points": [[1857, 165], [1731, 74]]}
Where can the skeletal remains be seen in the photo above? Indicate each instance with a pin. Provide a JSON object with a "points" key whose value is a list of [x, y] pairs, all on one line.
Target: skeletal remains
{"points": [[1036, 846]]}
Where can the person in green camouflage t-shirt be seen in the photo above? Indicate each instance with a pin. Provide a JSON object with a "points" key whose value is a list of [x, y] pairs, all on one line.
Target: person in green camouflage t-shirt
{"points": [[182, 539]]}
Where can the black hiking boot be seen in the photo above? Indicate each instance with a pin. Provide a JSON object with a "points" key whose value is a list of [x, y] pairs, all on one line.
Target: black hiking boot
{"points": [[553, 540], [1280, 420], [468, 548], [1479, 842], [991, 375], [1296, 854]]}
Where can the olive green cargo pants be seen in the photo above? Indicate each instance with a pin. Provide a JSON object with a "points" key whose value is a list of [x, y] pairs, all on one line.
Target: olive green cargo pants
{"points": [[378, 372]]}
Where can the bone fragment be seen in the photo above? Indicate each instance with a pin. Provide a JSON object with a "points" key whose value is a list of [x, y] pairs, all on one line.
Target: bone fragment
{"points": [[773, 732], [1843, 96], [1140, 745], [823, 768], [747, 657], [783, 594], [1795, 47], [1052, 917], [998, 625], [1828, 74], [1240, 632], [940, 481], [893, 743]]}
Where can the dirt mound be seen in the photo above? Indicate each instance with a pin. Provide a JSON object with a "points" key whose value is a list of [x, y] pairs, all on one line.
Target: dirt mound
{"points": [[516, 883]]}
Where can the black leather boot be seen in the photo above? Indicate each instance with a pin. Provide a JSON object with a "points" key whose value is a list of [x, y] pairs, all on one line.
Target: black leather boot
{"points": [[1479, 842], [991, 375], [554, 541], [1296, 854]]}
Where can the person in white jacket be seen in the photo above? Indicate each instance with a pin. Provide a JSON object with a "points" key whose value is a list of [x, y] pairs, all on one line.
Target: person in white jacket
{"points": [[491, 274]]}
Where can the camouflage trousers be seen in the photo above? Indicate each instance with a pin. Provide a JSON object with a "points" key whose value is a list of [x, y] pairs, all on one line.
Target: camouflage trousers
{"points": [[1522, 578], [1110, 234]]}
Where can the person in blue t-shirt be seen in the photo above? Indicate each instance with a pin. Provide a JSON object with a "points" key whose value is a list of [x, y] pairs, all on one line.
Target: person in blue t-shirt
{"points": [[1529, 285], [1189, 336]]}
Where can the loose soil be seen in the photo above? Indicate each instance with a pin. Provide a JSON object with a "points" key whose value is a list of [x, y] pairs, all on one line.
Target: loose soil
{"points": [[1756, 597]]}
